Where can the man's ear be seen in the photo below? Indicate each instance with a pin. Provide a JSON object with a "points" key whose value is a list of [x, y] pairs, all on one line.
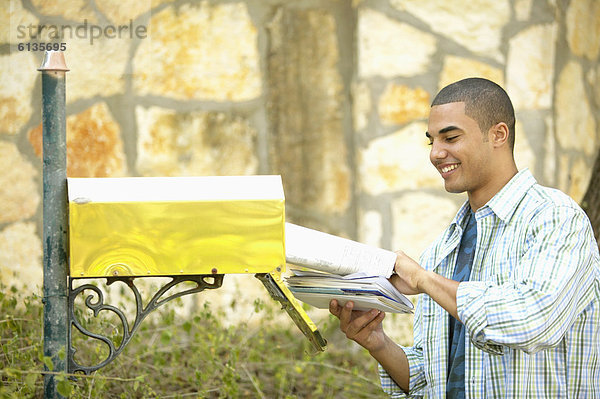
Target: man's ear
{"points": [[499, 134]]}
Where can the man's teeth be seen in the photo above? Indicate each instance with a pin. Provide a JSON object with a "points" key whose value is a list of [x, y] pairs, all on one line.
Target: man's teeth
{"points": [[449, 168]]}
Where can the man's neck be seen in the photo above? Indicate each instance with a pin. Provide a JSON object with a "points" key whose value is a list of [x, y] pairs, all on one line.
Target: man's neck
{"points": [[481, 197]]}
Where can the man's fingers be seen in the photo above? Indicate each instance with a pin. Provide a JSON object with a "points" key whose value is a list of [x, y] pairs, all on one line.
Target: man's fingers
{"points": [[363, 323], [346, 315], [334, 308]]}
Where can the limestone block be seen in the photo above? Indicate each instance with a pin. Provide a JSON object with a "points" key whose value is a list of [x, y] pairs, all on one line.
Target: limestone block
{"points": [[390, 48], [549, 162], [361, 104], [400, 104], [17, 22], [87, 76], [419, 218], [121, 12], [307, 144], [476, 25], [15, 92], [94, 144], [172, 143], [21, 257], [399, 161], [19, 196], [575, 124], [523, 153], [563, 182], [583, 28], [203, 51], [523, 9], [594, 82], [236, 302], [370, 228], [530, 67], [574, 175], [97, 61], [75, 10], [580, 174], [458, 68]]}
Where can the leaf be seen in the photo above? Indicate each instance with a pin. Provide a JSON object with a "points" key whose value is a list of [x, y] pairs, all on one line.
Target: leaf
{"points": [[30, 380], [62, 353], [48, 362], [11, 373], [64, 388], [165, 337]]}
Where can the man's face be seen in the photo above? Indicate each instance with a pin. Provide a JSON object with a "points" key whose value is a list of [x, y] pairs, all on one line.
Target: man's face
{"points": [[459, 151]]}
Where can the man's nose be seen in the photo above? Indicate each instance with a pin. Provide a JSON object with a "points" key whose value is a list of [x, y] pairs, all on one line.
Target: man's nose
{"points": [[438, 151]]}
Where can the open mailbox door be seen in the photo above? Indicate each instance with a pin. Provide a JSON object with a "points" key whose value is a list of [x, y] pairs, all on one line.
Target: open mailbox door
{"points": [[274, 284]]}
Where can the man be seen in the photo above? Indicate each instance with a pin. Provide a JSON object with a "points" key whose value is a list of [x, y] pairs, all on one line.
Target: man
{"points": [[511, 304]]}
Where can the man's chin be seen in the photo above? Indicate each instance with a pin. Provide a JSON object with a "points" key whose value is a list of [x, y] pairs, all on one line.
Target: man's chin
{"points": [[454, 189]]}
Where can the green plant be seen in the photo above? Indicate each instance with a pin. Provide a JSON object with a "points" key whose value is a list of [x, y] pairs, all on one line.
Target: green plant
{"points": [[172, 357]]}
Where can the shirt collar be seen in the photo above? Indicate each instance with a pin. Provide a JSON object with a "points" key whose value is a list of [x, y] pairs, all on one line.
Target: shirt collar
{"points": [[461, 215], [505, 202]]}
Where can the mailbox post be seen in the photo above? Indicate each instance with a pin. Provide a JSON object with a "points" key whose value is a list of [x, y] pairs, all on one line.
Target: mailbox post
{"points": [[192, 230], [54, 215]]}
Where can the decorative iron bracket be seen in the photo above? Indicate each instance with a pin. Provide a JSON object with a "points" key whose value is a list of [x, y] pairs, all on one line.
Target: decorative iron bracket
{"points": [[203, 282]]}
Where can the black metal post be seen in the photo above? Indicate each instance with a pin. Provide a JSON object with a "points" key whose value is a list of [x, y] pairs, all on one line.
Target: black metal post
{"points": [[55, 216]]}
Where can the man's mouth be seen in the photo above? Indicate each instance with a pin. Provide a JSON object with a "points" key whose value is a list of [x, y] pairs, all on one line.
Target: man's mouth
{"points": [[448, 168]]}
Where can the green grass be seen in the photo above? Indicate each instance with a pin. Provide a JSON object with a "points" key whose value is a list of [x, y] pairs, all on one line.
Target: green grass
{"points": [[196, 357]]}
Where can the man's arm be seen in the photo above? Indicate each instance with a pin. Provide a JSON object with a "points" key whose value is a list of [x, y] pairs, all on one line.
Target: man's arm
{"points": [[550, 284], [411, 279], [365, 328], [542, 292]]}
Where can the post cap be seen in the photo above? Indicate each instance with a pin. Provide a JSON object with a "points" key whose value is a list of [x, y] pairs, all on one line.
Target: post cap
{"points": [[53, 61]]}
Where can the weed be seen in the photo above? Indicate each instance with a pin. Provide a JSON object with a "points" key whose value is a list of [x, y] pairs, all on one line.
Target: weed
{"points": [[175, 357]]}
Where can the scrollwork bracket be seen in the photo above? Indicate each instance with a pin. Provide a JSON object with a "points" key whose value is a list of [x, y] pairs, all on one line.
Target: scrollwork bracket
{"points": [[202, 282]]}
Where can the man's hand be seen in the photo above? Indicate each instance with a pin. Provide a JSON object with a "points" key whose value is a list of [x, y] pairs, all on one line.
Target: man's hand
{"points": [[412, 279], [365, 328], [362, 327], [409, 275]]}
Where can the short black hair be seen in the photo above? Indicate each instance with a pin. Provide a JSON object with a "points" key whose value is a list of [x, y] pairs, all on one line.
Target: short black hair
{"points": [[485, 102]]}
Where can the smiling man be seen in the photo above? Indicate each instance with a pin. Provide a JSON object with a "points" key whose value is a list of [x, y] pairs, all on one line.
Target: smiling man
{"points": [[511, 290]]}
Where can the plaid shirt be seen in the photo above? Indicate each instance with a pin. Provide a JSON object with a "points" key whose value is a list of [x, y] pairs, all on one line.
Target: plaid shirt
{"points": [[531, 307]]}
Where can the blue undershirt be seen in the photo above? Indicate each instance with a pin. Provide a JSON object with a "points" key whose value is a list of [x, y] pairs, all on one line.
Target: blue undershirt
{"points": [[455, 387]]}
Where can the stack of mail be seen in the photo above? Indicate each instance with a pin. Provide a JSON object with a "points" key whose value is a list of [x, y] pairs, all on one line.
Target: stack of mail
{"points": [[366, 292]]}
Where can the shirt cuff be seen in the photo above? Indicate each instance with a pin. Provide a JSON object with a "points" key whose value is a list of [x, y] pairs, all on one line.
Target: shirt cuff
{"points": [[471, 310], [416, 379]]}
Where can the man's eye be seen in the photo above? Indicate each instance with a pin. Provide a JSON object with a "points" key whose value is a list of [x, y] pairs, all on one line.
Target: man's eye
{"points": [[451, 138]]}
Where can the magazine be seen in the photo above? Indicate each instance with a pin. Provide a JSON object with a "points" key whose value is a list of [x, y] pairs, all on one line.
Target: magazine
{"points": [[342, 269]]}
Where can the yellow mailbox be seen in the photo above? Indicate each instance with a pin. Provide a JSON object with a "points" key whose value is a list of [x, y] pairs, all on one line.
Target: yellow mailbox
{"points": [[147, 226], [182, 226]]}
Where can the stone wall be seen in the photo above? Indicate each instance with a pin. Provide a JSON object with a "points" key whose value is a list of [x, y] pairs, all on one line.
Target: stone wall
{"points": [[332, 95]]}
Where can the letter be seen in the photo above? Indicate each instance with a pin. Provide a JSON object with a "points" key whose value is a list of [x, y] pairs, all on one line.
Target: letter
{"points": [[95, 29], [31, 32], [121, 27], [20, 34], [141, 32], [110, 32], [53, 32], [40, 29], [78, 29], [70, 28]]}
